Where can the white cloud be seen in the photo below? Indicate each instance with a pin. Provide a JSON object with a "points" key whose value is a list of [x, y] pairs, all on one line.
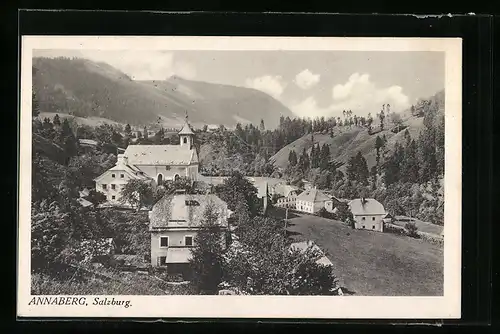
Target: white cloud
{"points": [[358, 94], [144, 64], [306, 79], [309, 108], [184, 69], [362, 96], [272, 85]]}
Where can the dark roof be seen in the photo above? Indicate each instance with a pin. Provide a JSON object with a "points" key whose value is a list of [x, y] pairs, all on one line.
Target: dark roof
{"points": [[185, 210]]}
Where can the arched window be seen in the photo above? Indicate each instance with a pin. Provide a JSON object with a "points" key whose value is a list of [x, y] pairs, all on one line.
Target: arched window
{"points": [[185, 140], [160, 179], [176, 177]]}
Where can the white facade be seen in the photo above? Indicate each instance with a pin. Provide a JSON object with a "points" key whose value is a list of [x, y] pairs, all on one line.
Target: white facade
{"points": [[369, 222], [152, 163], [368, 214]]}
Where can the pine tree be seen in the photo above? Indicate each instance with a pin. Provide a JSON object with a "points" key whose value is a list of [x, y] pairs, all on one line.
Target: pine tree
{"points": [[407, 138], [57, 120], [292, 158], [35, 108], [207, 254], [410, 163], [379, 142], [304, 161], [382, 117], [128, 130], [324, 156], [369, 121], [362, 169], [262, 126]]}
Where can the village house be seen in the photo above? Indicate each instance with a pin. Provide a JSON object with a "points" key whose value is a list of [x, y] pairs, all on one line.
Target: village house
{"points": [[312, 201], [174, 222], [152, 163], [368, 214]]}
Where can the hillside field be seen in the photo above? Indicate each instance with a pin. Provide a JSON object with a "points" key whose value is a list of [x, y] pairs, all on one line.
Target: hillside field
{"points": [[372, 263], [347, 141]]}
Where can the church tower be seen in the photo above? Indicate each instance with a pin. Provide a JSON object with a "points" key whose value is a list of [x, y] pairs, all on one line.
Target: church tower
{"points": [[186, 135]]}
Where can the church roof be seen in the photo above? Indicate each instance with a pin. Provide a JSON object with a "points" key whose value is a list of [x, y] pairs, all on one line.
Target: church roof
{"points": [[160, 155], [186, 128]]}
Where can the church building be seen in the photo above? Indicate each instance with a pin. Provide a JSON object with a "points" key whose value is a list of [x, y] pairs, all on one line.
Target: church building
{"points": [[151, 163]]}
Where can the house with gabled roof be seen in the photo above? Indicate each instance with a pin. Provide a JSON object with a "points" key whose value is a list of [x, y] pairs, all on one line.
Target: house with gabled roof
{"points": [[368, 213], [151, 163], [312, 201], [174, 223]]}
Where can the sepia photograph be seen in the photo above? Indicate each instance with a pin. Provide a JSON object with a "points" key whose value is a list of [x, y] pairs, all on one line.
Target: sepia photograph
{"points": [[240, 176]]}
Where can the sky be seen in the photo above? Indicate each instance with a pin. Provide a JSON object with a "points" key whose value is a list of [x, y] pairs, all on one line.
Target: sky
{"points": [[309, 83]]}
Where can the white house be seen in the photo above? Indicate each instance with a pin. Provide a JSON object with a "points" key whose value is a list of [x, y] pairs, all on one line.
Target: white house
{"points": [[311, 201], [174, 222], [154, 163], [368, 214]]}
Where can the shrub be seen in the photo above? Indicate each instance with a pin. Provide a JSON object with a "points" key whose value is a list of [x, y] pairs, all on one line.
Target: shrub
{"points": [[411, 229]]}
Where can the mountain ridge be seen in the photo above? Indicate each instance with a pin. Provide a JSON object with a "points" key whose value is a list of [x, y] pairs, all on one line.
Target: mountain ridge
{"points": [[85, 88]]}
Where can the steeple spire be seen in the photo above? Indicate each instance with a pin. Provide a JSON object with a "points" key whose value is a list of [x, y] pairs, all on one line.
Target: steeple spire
{"points": [[186, 134]]}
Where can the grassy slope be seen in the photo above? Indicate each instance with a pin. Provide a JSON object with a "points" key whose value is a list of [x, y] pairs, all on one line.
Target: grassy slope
{"points": [[424, 226], [347, 142], [376, 264]]}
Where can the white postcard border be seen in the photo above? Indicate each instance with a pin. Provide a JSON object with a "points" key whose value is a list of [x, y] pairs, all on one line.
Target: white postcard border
{"points": [[447, 306]]}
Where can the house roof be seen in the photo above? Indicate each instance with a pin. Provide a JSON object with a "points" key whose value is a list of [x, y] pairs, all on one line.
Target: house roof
{"points": [[302, 246], [160, 155], [369, 207], [83, 202], [285, 189], [131, 170], [185, 210], [313, 195]]}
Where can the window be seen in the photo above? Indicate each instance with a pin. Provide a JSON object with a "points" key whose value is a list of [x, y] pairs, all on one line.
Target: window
{"points": [[188, 240], [113, 197], [104, 186], [373, 218], [113, 186], [122, 176], [112, 175], [163, 242], [364, 226], [185, 140], [162, 260], [363, 218], [373, 227]]}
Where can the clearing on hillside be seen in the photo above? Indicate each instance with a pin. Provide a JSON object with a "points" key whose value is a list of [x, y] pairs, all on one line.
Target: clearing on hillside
{"points": [[373, 263]]}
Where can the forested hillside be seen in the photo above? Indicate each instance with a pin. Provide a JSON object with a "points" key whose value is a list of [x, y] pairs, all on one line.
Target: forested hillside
{"points": [[85, 88]]}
